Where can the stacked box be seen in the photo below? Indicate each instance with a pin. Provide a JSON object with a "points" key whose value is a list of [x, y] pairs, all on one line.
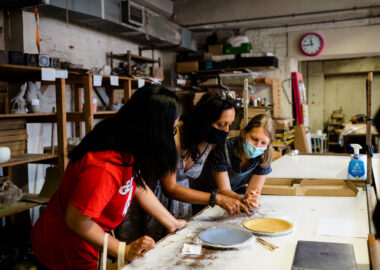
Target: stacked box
{"points": [[13, 135]]}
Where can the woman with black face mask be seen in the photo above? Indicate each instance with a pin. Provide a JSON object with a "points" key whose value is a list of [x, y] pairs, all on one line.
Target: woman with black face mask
{"points": [[201, 129]]}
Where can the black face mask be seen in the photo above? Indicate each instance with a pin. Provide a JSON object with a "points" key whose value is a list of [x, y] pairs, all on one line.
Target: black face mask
{"points": [[215, 136]]}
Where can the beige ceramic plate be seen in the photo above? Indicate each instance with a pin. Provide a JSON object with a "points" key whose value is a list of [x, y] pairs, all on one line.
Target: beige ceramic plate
{"points": [[268, 226]]}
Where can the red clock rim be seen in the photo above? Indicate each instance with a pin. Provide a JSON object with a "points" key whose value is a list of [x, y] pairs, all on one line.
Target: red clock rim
{"points": [[320, 49]]}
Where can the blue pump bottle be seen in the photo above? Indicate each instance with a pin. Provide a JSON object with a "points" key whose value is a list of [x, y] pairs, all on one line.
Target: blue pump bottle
{"points": [[356, 167]]}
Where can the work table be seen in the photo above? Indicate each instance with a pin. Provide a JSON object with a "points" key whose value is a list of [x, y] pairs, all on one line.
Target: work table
{"points": [[303, 212]]}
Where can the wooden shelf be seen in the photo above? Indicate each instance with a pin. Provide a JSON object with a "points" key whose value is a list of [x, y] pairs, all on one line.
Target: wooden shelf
{"points": [[104, 114], [75, 116], [137, 58], [27, 158], [13, 73], [32, 117], [220, 70], [79, 116], [18, 73], [16, 207]]}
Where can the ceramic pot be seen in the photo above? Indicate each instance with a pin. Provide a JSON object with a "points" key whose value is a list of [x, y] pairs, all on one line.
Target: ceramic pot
{"points": [[5, 153], [35, 108]]}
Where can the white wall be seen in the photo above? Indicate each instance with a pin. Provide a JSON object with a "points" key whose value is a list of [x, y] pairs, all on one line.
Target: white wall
{"points": [[354, 41], [344, 38]]}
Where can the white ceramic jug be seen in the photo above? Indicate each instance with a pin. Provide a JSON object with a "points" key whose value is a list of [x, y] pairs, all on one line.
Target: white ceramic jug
{"points": [[5, 153]]}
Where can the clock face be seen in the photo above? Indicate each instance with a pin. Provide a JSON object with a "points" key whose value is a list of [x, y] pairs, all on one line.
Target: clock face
{"points": [[312, 44]]}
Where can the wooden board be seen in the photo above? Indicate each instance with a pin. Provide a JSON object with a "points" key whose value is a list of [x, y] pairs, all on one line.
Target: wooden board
{"points": [[309, 187], [300, 140]]}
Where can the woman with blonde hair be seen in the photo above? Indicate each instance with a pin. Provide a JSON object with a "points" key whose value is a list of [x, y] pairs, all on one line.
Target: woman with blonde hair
{"points": [[240, 165]]}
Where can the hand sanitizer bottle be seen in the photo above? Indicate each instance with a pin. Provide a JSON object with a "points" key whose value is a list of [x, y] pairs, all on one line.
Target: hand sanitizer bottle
{"points": [[356, 168]]}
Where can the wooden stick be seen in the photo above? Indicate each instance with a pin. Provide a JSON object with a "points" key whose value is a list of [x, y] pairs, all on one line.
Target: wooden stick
{"points": [[369, 135], [266, 244]]}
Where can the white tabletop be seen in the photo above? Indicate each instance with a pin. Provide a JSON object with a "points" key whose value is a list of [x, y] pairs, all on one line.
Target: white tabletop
{"points": [[304, 212], [312, 166]]}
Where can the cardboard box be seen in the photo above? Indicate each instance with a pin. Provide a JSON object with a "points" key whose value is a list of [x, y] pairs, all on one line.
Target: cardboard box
{"points": [[263, 81], [309, 187], [282, 124], [185, 67], [215, 49], [158, 72]]}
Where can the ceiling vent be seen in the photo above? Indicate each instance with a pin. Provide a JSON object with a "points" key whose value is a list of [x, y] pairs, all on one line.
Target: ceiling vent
{"points": [[132, 13]]}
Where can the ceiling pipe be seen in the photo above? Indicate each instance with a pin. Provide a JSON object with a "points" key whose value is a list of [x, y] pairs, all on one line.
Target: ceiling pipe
{"points": [[293, 15], [307, 23]]}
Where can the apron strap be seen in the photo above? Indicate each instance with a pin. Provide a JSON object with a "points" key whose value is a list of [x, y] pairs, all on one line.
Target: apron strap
{"points": [[121, 255], [104, 255], [227, 155]]}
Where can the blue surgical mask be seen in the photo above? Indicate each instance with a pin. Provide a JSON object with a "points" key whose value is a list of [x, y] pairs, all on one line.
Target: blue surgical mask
{"points": [[251, 150]]}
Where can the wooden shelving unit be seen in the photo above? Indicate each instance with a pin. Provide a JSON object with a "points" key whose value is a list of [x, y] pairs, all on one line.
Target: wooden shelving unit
{"points": [[16, 73], [86, 114], [128, 57]]}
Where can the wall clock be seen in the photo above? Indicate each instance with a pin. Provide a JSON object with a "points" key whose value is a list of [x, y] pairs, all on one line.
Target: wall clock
{"points": [[312, 44]]}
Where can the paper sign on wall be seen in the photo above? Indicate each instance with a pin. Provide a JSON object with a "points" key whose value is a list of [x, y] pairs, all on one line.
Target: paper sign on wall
{"points": [[47, 74], [61, 74], [97, 80], [114, 80], [140, 83]]}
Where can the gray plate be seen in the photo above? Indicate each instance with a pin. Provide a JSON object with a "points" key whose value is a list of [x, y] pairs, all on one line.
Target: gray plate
{"points": [[225, 237]]}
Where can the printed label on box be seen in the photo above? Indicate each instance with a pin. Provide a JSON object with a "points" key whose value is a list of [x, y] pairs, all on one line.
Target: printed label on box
{"points": [[48, 74], [97, 80], [61, 74], [140, 83], [114, 80]]}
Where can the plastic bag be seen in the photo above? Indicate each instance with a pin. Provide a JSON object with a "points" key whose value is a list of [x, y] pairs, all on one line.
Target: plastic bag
{"points": [[9, 193]]}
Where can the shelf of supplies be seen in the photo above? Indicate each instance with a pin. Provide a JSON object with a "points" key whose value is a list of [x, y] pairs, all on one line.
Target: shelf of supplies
{"points": [[137, 58], [282, 143], [234, 69], [11, 73], [31, 117], [16, 207], [18, 73], [27, 158]]}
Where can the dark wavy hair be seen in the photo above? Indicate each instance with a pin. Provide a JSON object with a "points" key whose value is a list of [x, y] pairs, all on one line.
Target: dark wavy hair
{"points": [[143, 127], [197, 122]]}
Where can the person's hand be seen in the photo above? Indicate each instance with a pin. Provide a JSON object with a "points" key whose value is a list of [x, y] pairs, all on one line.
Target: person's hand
{"points": [[179, 224], [231, 205], [138, 247], [251, 200]]}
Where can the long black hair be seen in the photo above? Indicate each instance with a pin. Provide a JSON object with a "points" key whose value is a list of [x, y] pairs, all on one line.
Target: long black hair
{"points": [[197, 122], [143, 128]]}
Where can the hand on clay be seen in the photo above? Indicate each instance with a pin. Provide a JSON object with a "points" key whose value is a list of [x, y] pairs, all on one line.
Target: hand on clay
{"points": [[251, 200], [138, 247], [232, 205], [179, 224]]}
